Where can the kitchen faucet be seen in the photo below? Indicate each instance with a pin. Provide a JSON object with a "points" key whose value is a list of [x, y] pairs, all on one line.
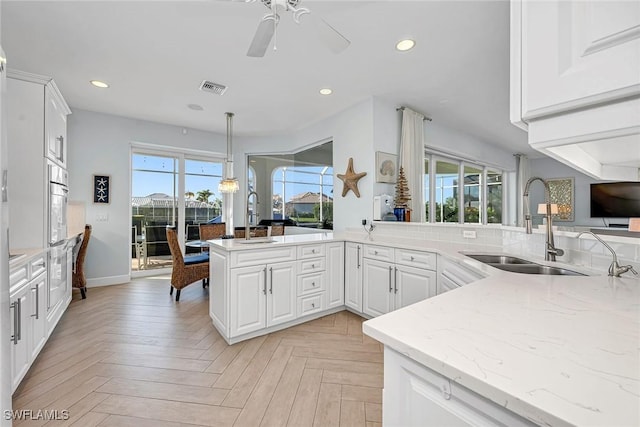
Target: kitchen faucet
{"points": [[615, 269], [550, 250], [247, 227]]}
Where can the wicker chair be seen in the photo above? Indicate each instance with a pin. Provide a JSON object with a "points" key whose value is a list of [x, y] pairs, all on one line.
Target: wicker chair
{"points": [[254, 231], [212, 231], [77, 278], [186, 270], [277, 229]]}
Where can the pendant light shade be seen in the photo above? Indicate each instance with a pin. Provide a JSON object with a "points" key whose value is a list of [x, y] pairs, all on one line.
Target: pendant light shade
{"points": [[229, 184]]}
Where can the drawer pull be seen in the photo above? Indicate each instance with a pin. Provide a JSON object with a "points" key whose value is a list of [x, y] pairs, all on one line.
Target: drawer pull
{"points": [[412, 258], [271, 281], [358, 256], [313, 251], [17, 327], [40, 264], [37, 315], [264, 290], [313, 305], [390, 280], [375, 252], [313, 284]]}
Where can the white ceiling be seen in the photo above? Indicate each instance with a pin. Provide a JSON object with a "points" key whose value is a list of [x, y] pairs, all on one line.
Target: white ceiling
{"points": [[155, 55]]}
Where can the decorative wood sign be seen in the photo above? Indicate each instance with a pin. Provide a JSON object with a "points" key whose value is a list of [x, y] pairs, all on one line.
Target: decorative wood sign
{"points": [[101, 188], [350, 179]]}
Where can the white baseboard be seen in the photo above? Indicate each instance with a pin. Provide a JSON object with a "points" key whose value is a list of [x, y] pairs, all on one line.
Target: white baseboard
{"points": [[108, 281]]}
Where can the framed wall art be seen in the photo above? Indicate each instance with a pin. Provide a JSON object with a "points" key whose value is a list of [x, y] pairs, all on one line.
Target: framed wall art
{"points": [[386, 167], [101, 188], [561, 192]]}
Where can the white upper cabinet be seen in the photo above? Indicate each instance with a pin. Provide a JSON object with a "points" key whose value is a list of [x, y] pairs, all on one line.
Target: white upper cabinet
{"points": [[575, 83]]}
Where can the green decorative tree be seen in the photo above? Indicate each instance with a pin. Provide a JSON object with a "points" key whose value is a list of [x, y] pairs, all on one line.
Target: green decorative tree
{"points": [[203, 195], [402, 191]]}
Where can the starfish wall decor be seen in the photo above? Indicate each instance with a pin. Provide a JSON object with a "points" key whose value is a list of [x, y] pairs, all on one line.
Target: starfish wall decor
{"points": [[350, 179]]}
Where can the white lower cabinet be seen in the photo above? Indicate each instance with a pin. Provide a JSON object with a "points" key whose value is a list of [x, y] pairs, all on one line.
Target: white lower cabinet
{"points": [[335, 274], [29, 328], [353, 276], [20, 303], [262, 296], [389, 284], [415, 395]]}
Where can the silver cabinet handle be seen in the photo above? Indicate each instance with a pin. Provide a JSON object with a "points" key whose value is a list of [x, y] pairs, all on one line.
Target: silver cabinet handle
{"points": [[37, 315], [412, 258], [313, 305], [313, 266], [16, 321], [40, 264], [390, 273], [271, 281], [358, 256], [375, 252], [264, 290], [395, 282], [313, 251], [313, 284]]}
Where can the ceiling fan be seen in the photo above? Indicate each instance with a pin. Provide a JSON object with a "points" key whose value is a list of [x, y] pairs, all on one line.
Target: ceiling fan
{"points": [[266, 31]]}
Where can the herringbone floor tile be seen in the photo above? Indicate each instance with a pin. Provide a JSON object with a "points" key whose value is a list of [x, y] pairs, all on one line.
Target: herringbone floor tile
{"points": [[129, 355]]}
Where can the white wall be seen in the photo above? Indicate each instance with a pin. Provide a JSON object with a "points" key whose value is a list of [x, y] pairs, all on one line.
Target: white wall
{"points": [[100, 144], [549, 168]]}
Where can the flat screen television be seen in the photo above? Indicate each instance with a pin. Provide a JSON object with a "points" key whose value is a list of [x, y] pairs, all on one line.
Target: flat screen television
{"points": [[615, 200]]}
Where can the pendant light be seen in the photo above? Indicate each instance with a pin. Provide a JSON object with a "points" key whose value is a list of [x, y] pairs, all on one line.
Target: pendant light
{"points": [[228, 184]]}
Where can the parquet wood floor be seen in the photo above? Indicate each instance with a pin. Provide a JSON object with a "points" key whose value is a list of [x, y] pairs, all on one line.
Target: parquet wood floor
{"points": [[129, 355]]}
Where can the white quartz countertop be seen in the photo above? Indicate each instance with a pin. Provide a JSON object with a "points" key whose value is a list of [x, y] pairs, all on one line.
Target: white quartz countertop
{"points": [[267, 242], [558, 350]]}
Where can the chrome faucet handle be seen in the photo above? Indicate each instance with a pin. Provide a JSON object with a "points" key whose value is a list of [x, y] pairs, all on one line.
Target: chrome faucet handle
{"points": [[554, 251], [617, 270]]}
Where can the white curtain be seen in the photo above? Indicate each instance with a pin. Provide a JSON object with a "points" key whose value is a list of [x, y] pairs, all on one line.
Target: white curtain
{"points": [[412, 160], [523, 171]]}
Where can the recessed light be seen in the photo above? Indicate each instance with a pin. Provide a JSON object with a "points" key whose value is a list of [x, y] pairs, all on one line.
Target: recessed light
{"points": [[98, 83], [404, 45], [326, 91], [195, 107]]}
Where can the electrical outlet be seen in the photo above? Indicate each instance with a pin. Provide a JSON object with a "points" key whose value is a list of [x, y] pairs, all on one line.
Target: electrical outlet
{"points": [[469, 234], [364, 222]]}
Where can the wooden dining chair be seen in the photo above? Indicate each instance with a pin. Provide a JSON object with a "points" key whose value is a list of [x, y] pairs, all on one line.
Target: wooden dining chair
{"points": [[186, 270]]}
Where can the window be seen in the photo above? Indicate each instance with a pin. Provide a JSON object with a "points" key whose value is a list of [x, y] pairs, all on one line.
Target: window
{"points": [[452, 183], [304, 194], [169, 189]]}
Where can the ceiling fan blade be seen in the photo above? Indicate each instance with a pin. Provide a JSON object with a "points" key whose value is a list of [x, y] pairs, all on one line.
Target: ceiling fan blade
{"points": [[331, 37], [262, 38]]}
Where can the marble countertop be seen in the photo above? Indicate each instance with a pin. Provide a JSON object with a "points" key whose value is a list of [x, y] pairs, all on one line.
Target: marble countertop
{"points": [[24, 256]]}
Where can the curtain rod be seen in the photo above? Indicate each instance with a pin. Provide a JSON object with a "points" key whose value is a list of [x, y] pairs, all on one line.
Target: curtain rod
{"points": [[429, 119]]}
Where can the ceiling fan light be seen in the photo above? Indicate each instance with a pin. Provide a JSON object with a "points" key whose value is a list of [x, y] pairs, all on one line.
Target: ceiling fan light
{"points": [[100, 84], [405, 45], [326, 91]]}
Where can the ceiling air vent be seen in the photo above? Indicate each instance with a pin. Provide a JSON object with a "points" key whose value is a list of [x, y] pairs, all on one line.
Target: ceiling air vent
{"points": [[212, 87]]}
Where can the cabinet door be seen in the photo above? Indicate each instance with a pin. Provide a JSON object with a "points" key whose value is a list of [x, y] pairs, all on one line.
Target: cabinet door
{"points": [[20, 343], [55, 129], [377, 287], [248, 299], [335, 274], [569, 47], [353, 276], [281, 296], [413, 285], [38, 314]]}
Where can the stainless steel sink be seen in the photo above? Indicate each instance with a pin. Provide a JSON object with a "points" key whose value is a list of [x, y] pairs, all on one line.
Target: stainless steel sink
{"points": [[498, 259], [254, 241], [519, 265], [536, 269]]}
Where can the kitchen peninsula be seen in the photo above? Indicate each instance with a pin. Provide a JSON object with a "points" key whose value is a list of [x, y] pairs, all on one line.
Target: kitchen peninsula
{"points": [[509, 348]]}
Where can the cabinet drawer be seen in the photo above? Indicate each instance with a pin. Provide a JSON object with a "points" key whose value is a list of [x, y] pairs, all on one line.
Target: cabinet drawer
{"points": [[310, 304], [416, 258], [311, 265], [18, 277], [310, 251], [37, 265], [262, 256], [310, 283], [381, 253]]}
